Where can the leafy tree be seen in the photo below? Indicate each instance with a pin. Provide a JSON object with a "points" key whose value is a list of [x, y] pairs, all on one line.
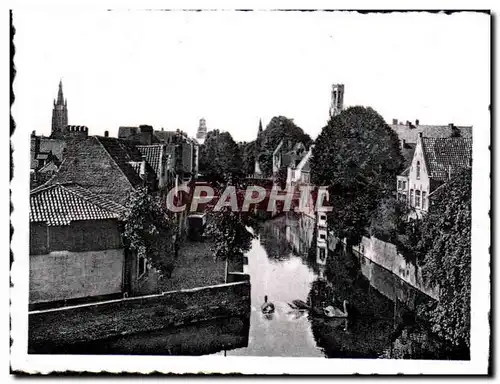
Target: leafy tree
{"points": [[279, 128], [389, 220], [248, 155], [228, 229], [446, 243], [357, 156], [220, 157], [149, 230]]}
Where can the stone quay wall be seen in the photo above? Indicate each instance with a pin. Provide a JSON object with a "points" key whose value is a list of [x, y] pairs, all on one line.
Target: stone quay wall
{"points": [[51, 330]]}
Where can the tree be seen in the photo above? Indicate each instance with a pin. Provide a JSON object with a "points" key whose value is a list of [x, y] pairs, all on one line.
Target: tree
{"points": [[446, 243], [248, 157], [357, 155], [228, 229], [149, 230], [279, 128], [220, 157], [389, 220]]}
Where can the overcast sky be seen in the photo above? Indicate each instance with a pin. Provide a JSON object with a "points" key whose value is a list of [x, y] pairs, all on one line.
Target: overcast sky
{"points": [[169, 69]]}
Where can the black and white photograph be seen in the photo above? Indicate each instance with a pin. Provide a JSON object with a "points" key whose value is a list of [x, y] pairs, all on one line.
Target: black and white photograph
{"points": [[250, 192]]}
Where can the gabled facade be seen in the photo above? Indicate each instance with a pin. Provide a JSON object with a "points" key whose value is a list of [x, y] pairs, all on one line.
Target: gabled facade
{"points": [[435, 161]]}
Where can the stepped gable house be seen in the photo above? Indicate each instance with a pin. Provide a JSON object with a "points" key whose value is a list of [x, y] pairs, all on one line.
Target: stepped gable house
{"points": [[436, 160]]}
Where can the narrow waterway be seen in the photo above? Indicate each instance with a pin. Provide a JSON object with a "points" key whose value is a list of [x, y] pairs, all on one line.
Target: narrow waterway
{"points": [[286, 263]]}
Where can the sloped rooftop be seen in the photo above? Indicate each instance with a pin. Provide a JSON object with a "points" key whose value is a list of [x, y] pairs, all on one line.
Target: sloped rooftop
{"points": [[443, 155], [60, 204]]}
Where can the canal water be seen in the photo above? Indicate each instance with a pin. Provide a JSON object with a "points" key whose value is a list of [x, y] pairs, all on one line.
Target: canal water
{"points": [[286, 263]]}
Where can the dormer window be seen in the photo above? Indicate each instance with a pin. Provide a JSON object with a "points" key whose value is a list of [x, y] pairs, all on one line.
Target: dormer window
{"points": [[418, 170]]}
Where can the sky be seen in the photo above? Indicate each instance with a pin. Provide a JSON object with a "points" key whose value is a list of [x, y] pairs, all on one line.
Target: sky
{"points": [[169, 69]]}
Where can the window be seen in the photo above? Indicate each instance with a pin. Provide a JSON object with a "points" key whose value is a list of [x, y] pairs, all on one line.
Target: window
{"points": [[417, 198], [142, 265], [322, 236], [424, 200], [323, 217], [412, 202], [404, 185], [399, 184], [418, 170]]}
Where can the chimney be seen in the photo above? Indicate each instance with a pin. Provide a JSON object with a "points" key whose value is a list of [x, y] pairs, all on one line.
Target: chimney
{"points": [[394, 121], [417, 122], [451, 125], [142, 172], [106, 133], [162, 129], [404, 143]]}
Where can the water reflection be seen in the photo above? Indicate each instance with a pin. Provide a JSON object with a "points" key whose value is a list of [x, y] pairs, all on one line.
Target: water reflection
{"points": [[287, 263]]}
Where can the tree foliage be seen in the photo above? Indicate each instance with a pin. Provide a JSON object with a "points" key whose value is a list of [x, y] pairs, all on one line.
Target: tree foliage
{"points": [[248, 155], [149, 230], [220, 157], [279, 128], [446, 243], [228, 231], [357, 156]]}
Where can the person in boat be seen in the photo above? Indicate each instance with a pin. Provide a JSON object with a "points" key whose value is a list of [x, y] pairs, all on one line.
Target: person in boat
{"points": [[267, 307]]}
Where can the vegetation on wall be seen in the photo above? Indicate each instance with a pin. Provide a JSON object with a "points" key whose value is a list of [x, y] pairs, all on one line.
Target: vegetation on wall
{"points": [[446, 243], [149, 230]]}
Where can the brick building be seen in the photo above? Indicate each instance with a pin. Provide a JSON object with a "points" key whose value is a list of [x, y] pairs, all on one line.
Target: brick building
{"points": [[76, 250], [435, 161]]}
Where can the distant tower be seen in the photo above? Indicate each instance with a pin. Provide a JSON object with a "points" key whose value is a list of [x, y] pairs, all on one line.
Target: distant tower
{"points": [[260, 126], [201, 135], [59, 114], [337, 104]]}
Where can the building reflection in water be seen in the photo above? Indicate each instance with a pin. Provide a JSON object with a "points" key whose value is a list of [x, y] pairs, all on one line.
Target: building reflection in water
{"points": [[384, 304]]}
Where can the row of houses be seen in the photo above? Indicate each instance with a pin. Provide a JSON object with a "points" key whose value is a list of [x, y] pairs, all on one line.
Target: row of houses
{"points": [[76, 210]]}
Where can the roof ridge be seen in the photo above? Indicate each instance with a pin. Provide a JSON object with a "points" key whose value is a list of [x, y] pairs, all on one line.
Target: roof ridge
{"points": [[114, 162]]}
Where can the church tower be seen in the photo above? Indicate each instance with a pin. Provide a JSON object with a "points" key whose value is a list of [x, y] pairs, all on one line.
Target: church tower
{"points": [[337, 104], [59, 114], [201, 135]]}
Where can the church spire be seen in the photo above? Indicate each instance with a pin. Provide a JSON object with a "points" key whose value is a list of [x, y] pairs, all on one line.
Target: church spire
{"points": [[260, 126], [60, 97]]}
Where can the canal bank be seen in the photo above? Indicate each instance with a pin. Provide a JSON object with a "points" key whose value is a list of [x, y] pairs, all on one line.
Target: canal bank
{"points": [[58, 330]]}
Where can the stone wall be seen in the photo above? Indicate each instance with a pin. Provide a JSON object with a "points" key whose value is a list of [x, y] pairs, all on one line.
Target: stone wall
{"points": [[65, 275], [53, 331], [386, 255]]}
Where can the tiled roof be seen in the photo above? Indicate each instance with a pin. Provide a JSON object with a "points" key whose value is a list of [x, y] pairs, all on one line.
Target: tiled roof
{"points": [[46, 145], [410, 134], [443, 155], [60, 204], [408, 151], [49, 167], [124, 155], [53, 145], [153, 155]]}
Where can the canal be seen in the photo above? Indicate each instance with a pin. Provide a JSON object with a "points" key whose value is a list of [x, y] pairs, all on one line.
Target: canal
{"points": [[285, 263]]}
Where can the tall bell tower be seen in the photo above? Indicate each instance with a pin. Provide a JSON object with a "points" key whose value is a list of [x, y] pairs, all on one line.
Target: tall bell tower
{"points": [[337, 103], [59, 114]]}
